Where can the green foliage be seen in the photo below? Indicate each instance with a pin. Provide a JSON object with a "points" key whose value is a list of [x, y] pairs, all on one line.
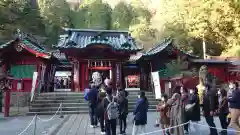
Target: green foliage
{"points": [[232, 52], [122, 16], [56, 14], [17, 15], [217, 22], [98, 15]]}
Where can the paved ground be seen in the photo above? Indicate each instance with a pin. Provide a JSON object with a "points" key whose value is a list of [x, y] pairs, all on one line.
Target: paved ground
{"points": [[15, 125], [79, 125]]}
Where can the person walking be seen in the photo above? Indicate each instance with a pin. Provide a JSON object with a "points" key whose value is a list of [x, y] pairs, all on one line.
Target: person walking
{"points": [[184, 96], [209, 108], [140, 114], [223, 110], [123, 111], [234, 101], [91, 97], [110, 111], [176, 113], [194, 114]]}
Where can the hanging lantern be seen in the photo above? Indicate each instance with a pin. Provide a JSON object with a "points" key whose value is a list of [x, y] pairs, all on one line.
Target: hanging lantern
{"points": [[18, 47]]}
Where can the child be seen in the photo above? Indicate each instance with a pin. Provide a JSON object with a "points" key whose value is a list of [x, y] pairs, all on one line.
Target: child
{"points": [[164, 114]]}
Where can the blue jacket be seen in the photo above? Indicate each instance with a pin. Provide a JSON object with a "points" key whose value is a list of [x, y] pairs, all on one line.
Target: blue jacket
{"points": [[235, 100], [141, 110], [85, 93], [92, 97]]}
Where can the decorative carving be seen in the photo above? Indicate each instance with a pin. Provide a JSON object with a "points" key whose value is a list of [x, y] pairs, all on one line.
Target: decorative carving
{"points": [[203, 73], [97, 78], [18, 47]]}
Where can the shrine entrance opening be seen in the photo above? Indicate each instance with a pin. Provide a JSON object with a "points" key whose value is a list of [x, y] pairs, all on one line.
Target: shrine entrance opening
{"points": [[102, 66], [105, 73]]}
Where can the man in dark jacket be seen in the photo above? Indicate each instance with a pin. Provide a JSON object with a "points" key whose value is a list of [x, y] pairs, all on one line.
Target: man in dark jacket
{"points": [[92, 97], [234, 101], [209, 107]]}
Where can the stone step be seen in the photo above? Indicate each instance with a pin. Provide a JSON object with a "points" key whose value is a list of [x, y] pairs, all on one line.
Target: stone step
{"points": [[78, 104], [70, 112], [48, 103], [81, 93], [34, 109]]}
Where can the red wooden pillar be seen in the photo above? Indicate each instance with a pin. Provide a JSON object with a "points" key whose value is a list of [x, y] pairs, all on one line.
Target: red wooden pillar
{"points": [[114, 75], [7, 96], [119, 73], [76, 76], [86, 75], [7, 102], [84, 80]]}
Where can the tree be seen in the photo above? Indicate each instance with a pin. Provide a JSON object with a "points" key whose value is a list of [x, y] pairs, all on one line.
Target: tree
{"points": [[98, 15], [122, 16], [232, 52], [214, 21], [17, 15], [56, 14], [144, 34]]}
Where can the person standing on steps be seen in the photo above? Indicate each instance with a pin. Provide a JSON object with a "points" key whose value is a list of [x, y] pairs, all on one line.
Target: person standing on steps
{"points": [[91, 97], [123, 111], [110, 110]]}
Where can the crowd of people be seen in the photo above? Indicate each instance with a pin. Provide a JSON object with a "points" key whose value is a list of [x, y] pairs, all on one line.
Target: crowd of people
{"points": [[185, 106], [108, 107], [62, 83]]}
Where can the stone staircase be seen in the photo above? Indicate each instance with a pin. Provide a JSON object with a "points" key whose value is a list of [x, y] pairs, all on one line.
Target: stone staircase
{"points": [[74, 103]]}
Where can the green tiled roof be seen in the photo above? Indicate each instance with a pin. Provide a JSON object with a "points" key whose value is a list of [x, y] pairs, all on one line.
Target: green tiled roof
{"points": [[27, 40], [34, 47], [166, 44], [118, 40]]}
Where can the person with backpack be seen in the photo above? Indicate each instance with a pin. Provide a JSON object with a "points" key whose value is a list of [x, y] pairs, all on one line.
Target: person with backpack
{"points": [[123, 111], [110, 111], [92, 97], [140, 114]]}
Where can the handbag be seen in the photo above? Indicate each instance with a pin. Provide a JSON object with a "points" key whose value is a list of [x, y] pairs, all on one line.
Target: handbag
{"points": [[189, 107]]}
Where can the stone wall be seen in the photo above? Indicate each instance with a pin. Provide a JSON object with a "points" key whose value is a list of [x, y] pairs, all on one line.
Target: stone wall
{"points": [[23, 98]]}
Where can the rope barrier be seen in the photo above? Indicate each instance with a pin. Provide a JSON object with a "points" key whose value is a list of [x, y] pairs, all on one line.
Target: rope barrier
{"points": [[52, 116], [37, 117], [28, 125], [165, 129], [230, 130]]}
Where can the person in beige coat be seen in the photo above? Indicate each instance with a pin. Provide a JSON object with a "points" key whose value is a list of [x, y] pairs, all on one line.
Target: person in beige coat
{"points": [[176, 113]]}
